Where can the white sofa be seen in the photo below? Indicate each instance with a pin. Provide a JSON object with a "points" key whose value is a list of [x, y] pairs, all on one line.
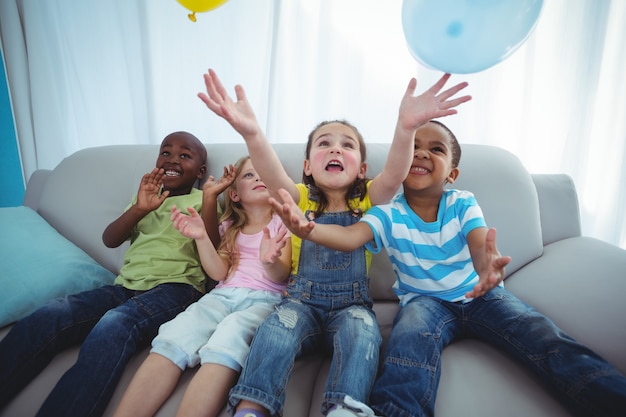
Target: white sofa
{"points": [[577, 281]]}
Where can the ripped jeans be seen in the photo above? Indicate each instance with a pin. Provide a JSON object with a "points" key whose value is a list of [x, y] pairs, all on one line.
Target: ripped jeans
{"points": [[331, 315], [296, 329]]}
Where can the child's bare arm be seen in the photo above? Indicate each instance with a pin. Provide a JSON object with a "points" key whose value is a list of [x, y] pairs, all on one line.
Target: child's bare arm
{"points": [[343, 238], [148, 198], [241, 117], [488, 262], [414, 112], [193, 227], [210, 191]]}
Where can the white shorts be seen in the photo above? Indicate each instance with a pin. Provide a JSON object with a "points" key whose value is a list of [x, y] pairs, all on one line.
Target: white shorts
{"points": [[218, 328]]}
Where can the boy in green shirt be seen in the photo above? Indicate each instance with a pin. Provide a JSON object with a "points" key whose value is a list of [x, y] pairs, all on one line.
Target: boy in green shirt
{"points": [[160, 277]]}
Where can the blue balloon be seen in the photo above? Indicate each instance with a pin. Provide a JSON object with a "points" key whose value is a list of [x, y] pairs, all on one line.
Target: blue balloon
{"points": [[466, 36]]}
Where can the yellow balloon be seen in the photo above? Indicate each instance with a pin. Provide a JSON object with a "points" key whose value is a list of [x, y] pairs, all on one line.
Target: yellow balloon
{"points": [[197, 6]]}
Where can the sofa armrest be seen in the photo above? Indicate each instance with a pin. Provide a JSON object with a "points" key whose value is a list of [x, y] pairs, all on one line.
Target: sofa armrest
{"points": [[35, 186], [558, 207]]}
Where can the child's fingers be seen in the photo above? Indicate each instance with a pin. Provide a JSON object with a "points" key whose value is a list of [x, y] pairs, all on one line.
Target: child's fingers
{"points": [[410, 89], [490, 240], [217, 84], [174, 210], [439, 84], [212, 99], [449, 104], [281, 234], [475, 292], [285, 196], [211, 87], [504, 260], [452, 90], [176, 221], [145, 179], [150, 177], [240, 92], [278, 208]]}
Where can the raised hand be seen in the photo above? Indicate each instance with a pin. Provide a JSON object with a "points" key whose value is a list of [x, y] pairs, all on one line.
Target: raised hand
{"points": [[431, 104], [239, 114], [271, 247], [490, 267], [211, 186], [149, 196], [190, 226], [293, 218]]}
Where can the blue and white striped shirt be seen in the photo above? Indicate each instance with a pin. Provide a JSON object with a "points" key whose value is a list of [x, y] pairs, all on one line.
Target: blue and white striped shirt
{"points": [[428, 258]]}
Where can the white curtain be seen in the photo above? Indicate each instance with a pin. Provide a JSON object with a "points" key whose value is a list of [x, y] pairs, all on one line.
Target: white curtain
{"points": [[86, 73]]}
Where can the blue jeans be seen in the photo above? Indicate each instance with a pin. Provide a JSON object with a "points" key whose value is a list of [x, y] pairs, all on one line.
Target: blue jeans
{"points": [[326, 309], [111, 322], [407, 386]]}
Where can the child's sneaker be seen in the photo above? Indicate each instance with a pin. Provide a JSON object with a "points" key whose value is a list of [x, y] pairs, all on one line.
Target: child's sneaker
{"points": [[248, 412], [341, 411], [351, 408]]}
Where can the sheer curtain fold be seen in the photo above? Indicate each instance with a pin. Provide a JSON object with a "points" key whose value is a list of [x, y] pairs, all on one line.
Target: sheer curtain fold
{"points": [[87, 73]]}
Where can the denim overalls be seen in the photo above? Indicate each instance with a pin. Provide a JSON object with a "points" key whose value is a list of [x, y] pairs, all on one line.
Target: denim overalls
{"points": [[325, 309]]}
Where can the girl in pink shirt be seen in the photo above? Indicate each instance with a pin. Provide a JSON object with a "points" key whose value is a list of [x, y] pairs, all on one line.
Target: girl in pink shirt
{"points": [[251, 266]]}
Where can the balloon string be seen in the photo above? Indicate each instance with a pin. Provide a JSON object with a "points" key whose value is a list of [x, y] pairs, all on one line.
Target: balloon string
{"points": [[192, 16]]}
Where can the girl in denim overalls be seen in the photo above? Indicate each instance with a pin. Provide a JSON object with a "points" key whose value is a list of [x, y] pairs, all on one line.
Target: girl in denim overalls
{"points": [[326, 306]]}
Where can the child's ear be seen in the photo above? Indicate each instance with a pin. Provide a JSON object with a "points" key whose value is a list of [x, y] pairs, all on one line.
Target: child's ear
{"points": [[233, 195], [201, 172], [454, 174], [307, 167], [362, 171]]}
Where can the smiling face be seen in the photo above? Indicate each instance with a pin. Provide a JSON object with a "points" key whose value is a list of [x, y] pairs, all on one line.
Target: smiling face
{"points": [[334, 157], [432, 165], [248, 188], [182, 156]]}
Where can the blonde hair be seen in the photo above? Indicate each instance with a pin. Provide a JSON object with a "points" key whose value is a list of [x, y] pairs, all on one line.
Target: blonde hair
{"points": [[236, 215]]}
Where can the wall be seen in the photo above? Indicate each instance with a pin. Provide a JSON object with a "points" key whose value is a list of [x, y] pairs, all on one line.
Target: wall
{"points": [[12, 178]]}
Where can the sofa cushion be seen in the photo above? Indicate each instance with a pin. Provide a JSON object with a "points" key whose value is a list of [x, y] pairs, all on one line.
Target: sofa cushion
{"points": [[91, 188], [558, 202], [578, 283], [506, 193], [38, 264]]}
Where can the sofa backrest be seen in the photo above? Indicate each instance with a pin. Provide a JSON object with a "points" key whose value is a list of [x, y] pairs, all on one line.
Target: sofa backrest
{"points": [[508, 197], [91, 187]]}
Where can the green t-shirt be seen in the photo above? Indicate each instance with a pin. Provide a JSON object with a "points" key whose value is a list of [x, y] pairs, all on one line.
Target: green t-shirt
{"points": [[158, 253]]}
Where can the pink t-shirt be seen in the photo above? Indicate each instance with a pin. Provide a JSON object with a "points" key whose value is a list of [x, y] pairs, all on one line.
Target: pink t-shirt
{"points": [[250, 272]]}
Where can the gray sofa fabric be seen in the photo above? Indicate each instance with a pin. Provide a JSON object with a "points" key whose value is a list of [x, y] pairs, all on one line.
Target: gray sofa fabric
{"points": [[577, 281]]}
